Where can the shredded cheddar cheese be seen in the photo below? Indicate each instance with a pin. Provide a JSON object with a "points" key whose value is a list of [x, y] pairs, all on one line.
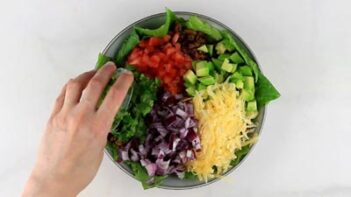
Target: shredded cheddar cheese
{"points": [[222, 129]]}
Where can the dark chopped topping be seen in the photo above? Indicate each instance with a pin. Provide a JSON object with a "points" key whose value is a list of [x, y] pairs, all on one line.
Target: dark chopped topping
{"points": [[190, 40]]}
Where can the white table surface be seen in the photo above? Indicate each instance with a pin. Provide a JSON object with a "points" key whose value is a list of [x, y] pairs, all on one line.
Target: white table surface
{"points": [[303, 46]]}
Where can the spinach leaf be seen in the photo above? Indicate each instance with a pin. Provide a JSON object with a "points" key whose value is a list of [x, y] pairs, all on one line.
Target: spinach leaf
{"points": [[162, 30], [231, 43], [140, 174], [154, 182], [240, 154], [195, 23], [190, 175], [102, 59], [265, 91], [127, 46]]}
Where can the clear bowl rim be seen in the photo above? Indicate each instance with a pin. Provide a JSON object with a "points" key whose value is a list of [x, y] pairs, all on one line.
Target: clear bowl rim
{"points": [[263, 109]]}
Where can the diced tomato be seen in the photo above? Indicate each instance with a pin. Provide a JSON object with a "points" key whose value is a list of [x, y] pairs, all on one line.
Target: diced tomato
{"points": [[136, 52], [173, 72], [161, 73], [177, 46], [166, 38], [168, 45], [167, 80], [155, 59], [155, 41], [170, 51], [134, 61], [162, 58], [168, 67], [173, 90], [178, 57], [143, 44], [161, 55], [149, 49]]}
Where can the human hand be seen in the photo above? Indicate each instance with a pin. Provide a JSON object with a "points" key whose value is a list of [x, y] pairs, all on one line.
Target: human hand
{"points": [[72, 147]]}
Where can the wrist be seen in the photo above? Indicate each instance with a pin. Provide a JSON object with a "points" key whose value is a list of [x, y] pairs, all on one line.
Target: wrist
{"points": [[39, 185]]}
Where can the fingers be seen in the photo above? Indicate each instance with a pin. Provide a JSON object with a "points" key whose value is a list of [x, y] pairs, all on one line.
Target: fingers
{"points": [[59, 101], [75, 87], [97, 84], [115, 97]]}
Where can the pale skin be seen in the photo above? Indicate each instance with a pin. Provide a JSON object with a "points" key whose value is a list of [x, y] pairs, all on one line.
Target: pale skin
{"points": [[71, 148]]}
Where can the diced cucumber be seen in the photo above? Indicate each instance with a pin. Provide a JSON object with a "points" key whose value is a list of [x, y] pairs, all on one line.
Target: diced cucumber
{"points": [[209, 80], [223, 56], [247, 95], [193, 63], [251, 106], [187, 84], [217, 63], [219, 77], [252, 115], [249, 83], [200, 87], [190, 77], [226, 66], [239, 84], [210, 49], [202, 69], [190, 90], [245, 70], [236, 77], [251, 109], [236, 58], [203, 48], [220, 48], [210, 65]]}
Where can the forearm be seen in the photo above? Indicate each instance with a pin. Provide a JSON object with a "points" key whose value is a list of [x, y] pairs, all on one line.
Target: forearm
{"points": [[39, 186]]}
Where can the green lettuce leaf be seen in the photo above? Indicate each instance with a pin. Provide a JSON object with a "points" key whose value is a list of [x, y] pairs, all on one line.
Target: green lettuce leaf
{"points": [[195, 23], [265, 91], [231, 43], [162, 30], [140, 174], [102, 59], [240, 154], [190, 176], [127, 46]]}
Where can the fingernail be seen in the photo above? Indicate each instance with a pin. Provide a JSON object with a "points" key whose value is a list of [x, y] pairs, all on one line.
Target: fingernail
{"points": [[110, 64], [128, 72], [124, 71]]}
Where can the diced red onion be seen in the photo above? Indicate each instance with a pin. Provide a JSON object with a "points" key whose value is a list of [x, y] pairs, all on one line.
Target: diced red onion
{"points": [[151, 169], [181, 113], [171, 138], [124, 155]]}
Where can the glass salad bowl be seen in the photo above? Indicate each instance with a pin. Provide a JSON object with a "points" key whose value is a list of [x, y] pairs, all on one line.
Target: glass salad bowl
{"points": [[154, 21]]}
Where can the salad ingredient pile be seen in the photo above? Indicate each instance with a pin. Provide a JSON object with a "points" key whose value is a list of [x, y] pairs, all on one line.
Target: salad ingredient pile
{"points": [[171, 138], [196, 98], [222, 124], [129, 123], [162, 58]]}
